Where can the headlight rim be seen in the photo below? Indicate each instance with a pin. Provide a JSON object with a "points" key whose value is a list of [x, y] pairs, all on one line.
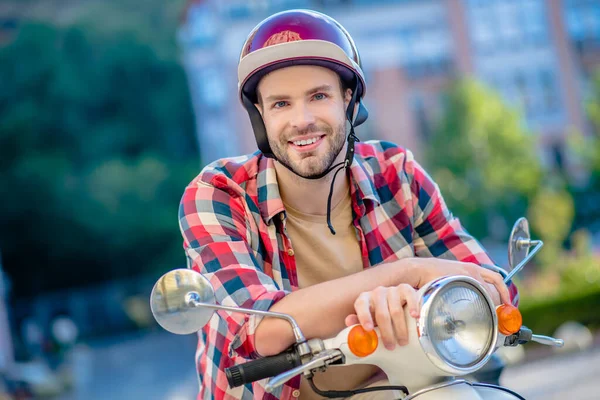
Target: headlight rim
{"points": [[429, 293]]}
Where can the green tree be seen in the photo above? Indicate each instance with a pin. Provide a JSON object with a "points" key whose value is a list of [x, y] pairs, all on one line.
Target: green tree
{"points": [[592, 150], [96, 145], [483, 159], [586, 147]]}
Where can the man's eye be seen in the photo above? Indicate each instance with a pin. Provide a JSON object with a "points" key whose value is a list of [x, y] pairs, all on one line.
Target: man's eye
{"points": [[320, 96], [279, 104]]}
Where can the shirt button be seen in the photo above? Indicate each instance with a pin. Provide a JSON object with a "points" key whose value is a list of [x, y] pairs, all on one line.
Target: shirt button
{"points": [[296, 393], [290, 252]]}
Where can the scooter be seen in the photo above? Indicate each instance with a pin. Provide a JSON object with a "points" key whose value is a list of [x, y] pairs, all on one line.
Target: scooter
{"points": [[456, 334]]}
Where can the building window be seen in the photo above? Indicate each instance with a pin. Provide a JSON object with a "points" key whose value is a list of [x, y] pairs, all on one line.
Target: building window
{"points": [[534, 21], [549, 92], [535, 91], [212, 88], [425, 50], [522, 90], [201, 27], [503, 26], [582, 18], [421, 117]]}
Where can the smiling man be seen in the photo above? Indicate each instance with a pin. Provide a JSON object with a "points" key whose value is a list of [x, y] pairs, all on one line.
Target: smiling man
{"points": [[283, 230]]}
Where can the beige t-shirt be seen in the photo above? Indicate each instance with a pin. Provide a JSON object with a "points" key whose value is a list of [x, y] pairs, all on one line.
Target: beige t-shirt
{"points": [[321, 256]]}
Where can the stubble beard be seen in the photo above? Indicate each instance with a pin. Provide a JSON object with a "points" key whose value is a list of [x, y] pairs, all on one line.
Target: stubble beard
{"points": [[311, 166]]}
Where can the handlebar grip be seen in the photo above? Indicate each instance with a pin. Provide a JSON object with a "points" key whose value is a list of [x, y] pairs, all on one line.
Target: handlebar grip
{"points": [[262, 368]]}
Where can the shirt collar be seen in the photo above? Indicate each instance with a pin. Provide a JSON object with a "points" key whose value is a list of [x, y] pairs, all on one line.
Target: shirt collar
{"points": [[269, 199]]}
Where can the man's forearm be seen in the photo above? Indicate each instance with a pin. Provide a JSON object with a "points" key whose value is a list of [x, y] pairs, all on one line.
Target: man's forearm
{"points": [[320, 309]]}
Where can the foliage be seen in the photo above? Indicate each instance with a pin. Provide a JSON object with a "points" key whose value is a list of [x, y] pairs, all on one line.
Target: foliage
{"points": [[551, 215], [592, 150], [96, 145], [483, 159], [546, 315], [568, 291]]}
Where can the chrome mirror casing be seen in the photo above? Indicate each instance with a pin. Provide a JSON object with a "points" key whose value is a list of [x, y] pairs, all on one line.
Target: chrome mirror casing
{"points": [[174, 297]]}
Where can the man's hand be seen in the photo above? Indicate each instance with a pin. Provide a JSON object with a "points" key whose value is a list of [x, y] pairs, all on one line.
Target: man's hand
{"points": [[384, 306], [429, 269]]}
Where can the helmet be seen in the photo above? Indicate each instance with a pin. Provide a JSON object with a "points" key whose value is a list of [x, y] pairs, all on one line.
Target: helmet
{"points": [[298, 37]]}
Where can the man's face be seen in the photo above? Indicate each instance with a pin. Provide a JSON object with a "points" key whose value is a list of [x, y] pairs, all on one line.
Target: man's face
{"points": [[304, 114]]}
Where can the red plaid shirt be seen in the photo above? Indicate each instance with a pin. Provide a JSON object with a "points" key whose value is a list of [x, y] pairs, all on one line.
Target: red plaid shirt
{"points": [[233, 224]]}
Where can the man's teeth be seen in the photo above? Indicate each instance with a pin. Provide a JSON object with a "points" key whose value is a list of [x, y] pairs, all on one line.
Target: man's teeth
{"points": [[305, 142]]}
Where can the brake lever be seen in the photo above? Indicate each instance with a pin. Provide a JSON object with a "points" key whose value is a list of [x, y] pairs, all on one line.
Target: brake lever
{"points": [[547, 340], [322, 359]]}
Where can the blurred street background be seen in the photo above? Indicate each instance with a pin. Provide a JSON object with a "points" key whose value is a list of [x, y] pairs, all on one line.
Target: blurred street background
{"points": [[109, 108]]}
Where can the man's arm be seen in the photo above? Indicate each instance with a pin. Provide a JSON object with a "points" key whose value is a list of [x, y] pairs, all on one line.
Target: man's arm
{"points": [[438, 233], [321, 309], [216, 234]]}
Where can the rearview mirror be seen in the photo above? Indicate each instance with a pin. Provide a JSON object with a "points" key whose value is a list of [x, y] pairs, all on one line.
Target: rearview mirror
{"points": [[174, 297], [518, 243]]}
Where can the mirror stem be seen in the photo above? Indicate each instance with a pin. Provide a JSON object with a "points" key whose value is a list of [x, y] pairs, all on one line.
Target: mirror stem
{"points": [[191, 299], [522, 243]]}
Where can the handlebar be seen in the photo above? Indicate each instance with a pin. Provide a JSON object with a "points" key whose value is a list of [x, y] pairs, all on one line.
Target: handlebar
{"points": [[262, 368], [525, 335], [548, 341]]}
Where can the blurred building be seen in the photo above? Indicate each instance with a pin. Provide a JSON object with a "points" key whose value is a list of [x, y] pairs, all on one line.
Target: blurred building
{"points": [[6, 344], [538, 54]]}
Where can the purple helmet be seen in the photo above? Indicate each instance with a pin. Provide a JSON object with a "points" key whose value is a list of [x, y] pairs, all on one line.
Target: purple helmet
{"points": [[298, 37]]}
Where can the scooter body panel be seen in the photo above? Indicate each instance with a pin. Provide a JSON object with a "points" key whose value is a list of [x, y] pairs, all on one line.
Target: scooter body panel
{"points": [[464, 390]]}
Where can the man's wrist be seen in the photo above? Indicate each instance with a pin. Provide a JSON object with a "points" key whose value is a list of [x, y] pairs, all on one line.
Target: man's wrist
{"points": [[405, 271]]}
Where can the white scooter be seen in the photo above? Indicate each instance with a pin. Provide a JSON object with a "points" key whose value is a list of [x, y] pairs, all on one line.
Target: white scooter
{"points": [[458, 330]]}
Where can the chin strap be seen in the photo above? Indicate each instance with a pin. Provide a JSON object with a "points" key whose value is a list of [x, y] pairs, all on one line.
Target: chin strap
{"points": [[343, 165], [360, 118]]}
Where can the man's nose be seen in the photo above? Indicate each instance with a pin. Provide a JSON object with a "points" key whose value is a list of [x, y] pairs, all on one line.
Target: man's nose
{"points": [[302, 117]]}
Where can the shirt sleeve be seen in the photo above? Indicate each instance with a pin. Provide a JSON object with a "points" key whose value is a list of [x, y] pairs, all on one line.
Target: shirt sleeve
{"points": [[217, 233], [440, 234]]}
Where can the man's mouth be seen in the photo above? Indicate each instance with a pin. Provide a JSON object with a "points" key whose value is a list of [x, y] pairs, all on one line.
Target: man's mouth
{"points": [[307, 144]]}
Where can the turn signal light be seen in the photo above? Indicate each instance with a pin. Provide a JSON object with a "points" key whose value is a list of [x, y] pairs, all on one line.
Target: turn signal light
{"points": [[509, 319], [362, 342]]}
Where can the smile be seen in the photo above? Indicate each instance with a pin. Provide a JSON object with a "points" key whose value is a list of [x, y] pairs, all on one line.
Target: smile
{"points": [[307, 144]]}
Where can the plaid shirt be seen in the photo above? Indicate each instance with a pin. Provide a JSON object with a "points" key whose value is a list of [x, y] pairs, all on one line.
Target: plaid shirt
{"points": [[233, 223]]}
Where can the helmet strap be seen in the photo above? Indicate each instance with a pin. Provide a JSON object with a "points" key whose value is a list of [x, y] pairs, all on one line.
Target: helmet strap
{"points": [[349, 149], [258, 125]]}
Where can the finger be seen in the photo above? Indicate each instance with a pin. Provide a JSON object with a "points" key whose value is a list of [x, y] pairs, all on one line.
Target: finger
{"points": [[351, 319], [496, 279], [395, 305], [363, 307], [474, 271], [487, 276], [412, 302], [383, 318]]}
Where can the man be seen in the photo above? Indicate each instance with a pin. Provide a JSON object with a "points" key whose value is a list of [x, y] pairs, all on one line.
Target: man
{"points": [[275, 230]]}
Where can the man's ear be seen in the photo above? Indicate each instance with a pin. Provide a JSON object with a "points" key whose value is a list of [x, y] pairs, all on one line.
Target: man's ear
{"points": [[259, 108], [347, 97]]}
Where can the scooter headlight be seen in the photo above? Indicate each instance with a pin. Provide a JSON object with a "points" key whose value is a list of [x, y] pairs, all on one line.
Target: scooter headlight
{"points": [[458, 324]]}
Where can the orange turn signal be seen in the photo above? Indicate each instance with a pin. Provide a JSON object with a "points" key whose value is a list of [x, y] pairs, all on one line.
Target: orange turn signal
{"points": [[362, 342], [509, 319]]}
